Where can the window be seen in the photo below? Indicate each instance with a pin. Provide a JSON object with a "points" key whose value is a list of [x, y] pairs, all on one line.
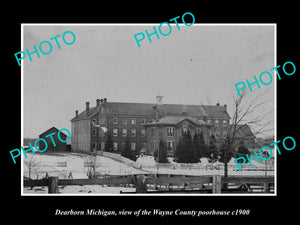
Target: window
{"points": [[133, 121], [143, 121], [170, 131], [152, 131], [170, 145], [144, 146], [124, 132], [184, 130], [216, 121], [115, 146], [133, 133], [94, 132], [102, 146], [198, 130], [94, 145], [133, 146], [93, 123], [124, 120], [224, 123], [115, 132], [153, 146], [143, 133], [115, 120]]}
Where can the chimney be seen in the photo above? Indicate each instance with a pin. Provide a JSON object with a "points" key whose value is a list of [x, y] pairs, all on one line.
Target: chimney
{"points": [[97, 102], [87, 107], [76, 113], [105, 100], [218, 104], [225, 106]]}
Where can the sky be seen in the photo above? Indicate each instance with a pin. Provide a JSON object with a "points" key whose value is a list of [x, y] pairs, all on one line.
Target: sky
{"points": [[197, 64]]}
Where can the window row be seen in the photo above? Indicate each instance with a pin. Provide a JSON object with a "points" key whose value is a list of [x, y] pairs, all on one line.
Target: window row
{"points": [[115, 146], [127, 120], [117, 120], [171, 131], [115, 133], [220, 121], [101, 132], [101, 121], [125, 133], [169, 144]]}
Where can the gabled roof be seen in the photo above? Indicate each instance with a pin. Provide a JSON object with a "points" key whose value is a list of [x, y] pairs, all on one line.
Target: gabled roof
{"points": [[243, 131], [82, 115], [51, 130], [174, 120], [146, 109]]}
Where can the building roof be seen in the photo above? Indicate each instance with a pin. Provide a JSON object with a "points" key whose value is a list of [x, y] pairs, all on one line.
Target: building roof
{"points": [[174, 120], [170, 120], [146, 109], [244, 131], [52, 129]]}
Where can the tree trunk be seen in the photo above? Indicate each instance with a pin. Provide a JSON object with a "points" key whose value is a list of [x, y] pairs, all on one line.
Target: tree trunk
{"points": [[29, 173], [225, 185], [141, 184], [225, 169]]}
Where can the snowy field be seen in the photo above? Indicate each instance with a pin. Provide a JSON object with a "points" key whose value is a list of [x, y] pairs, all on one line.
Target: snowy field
{"points": [[64, 164], [86, 189], [74, 165], [53, 165]]}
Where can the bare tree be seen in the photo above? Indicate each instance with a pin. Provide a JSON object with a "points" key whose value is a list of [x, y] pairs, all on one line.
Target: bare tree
{"points": [[32, 165], [246, 110], [91, 162], [38, 171]]}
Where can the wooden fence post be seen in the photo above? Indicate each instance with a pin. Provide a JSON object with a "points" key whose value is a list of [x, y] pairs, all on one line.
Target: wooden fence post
{"points": [[183, 184], [216, 187], [155, 184], [169, 184], [53, 185], [140, 184]]}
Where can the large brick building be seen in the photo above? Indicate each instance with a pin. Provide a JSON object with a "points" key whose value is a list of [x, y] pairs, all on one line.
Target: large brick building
{"points": [[171, 128], [134, 122]]}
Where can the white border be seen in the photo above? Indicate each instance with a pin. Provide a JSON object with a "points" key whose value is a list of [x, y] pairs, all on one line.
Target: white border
{"points": [[149, 24]]}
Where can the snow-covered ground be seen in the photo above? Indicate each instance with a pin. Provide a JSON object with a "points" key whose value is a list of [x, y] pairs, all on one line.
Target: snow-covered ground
{"points": [[64, 165], [49, 163], [204, 168], [86, 189]]}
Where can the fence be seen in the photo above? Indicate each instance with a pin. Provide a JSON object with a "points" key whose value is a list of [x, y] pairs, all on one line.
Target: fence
{"points": [[196, 166], [167, 183], [120, 158]]}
